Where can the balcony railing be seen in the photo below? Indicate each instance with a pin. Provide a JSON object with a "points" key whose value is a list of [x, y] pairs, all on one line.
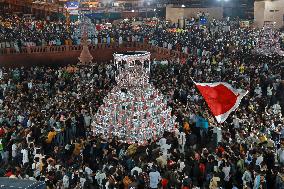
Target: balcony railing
{"points": [[72, 48]]}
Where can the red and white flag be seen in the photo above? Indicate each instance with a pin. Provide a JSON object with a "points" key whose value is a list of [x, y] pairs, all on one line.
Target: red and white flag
{"points": [[221, 98]]}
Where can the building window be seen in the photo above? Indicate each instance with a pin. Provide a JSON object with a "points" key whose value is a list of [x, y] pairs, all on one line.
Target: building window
{"points": [[273, 10]]}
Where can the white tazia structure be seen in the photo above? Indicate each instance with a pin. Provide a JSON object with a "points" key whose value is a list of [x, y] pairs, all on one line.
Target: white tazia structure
{"points": [[134, 110]]}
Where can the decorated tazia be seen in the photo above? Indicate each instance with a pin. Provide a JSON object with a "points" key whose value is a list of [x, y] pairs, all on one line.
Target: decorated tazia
{"points": [[134, 110]]}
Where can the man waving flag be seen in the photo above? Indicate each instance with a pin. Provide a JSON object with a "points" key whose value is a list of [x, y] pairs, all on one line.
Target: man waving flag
{"points": [[221, 98]]}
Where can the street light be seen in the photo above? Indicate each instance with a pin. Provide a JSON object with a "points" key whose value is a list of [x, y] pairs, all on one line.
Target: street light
{"points": [[182, 6]]}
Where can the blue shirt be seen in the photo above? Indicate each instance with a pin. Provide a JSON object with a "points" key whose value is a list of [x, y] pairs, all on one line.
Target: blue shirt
{"points": [[155, 177]]}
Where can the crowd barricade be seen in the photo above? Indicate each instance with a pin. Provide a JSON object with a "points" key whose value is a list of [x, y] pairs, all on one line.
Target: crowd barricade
{"points": [[9, 50], [3, 51], [24, 50], [65, 48], [38, 49], [74, 48]]}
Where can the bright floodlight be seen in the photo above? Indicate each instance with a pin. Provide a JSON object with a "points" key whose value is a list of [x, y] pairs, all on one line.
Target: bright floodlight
{"points": [[182, 6], [132, 10], [154, 9]]}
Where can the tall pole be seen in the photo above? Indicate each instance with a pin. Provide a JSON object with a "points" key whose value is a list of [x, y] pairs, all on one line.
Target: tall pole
{"points": [[223, 9], [68, 21]]}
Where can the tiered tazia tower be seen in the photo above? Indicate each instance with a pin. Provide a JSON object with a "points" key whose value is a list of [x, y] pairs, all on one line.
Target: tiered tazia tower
{"points": [[134, 110], [85, 56]]}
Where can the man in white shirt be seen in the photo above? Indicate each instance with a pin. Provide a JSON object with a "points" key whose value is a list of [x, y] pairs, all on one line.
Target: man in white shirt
{"points": [[257, 91], [87, 119], [247, 178], [100, 176], [218, 132], [89, 173], [14, 150], [65, 181], [162, 141], [2, 154], [259, 160], [280, 155], [82, 181], [30, 84], [181, 165], [181, 141], [138, 169], [236, 122], [120, 41], [226, 170], [276, 108], [155, 178], [25, 156], [164, 147], [36, 167]]}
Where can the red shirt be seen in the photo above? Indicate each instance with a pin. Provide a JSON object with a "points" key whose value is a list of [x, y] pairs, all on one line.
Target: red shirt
{"points": [[2, 132], [164, 183]]}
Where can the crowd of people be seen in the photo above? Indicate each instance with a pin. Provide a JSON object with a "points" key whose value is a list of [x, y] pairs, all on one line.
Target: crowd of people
{"points": [[17, 32], [46, 114]]}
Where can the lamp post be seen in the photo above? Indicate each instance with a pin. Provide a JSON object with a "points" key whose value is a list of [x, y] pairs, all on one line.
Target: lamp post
{"points": [[68, 21]]}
